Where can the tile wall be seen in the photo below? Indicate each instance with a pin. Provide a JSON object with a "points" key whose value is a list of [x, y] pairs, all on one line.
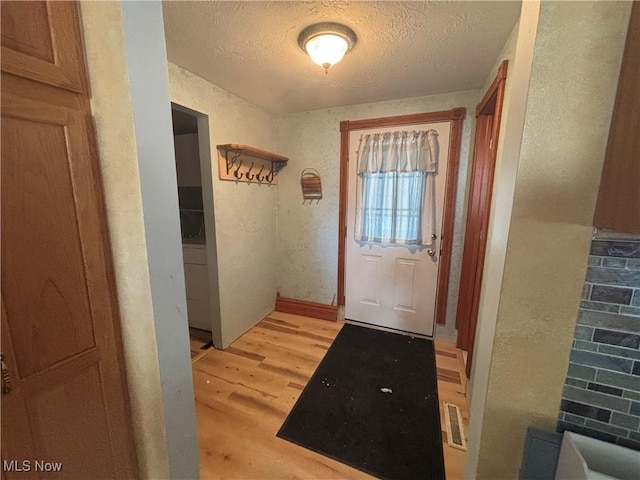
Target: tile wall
{"points": [[601, 397]]}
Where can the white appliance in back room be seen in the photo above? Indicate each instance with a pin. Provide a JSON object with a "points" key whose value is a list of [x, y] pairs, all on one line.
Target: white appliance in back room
{"points": [[192, 220]]}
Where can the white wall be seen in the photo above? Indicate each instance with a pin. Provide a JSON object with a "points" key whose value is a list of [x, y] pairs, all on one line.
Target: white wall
{"points": [[308, 234], [245, 214], [146, 58]]}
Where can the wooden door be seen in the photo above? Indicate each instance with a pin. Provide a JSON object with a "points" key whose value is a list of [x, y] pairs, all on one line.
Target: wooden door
{"points": [[455, 118], [64, 401], [488, 113], [391, 285], [40, 41]]}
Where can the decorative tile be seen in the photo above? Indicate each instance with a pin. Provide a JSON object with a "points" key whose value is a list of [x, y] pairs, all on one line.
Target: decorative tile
{"points": [[588, 411], [626, 421], [582, 372], [567, 417], [605, 389], [613, 276], [583, 333], [605, 427], [600, 307], [603, 293], [588, 346], [614, 248], [574, 382], [607, 362], [619, 339], [628, 382], [613, 321], [594, 261], [614, 262], [634, 311], [633, 264], [595, 399], [618, 351], [631, 394]]}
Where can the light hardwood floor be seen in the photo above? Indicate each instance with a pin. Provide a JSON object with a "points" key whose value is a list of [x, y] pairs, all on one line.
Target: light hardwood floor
{"points": [[244, 393]]}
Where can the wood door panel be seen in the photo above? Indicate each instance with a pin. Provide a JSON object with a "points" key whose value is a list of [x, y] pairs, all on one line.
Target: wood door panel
{"points": [[26, 28], [55, 428], [41, 41], [60, 337], [43, 272]]}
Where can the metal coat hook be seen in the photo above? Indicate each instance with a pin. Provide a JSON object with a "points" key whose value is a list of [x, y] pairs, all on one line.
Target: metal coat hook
{"points": [[247, 174], [230, 163], [269, 176], [236, 172], [258, 177]]}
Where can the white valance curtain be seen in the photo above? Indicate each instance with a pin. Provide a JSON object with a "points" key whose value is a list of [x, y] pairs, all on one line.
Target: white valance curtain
{"points": [[395, 197]]}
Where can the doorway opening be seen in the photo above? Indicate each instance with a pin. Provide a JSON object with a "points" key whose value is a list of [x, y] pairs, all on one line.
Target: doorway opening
{"points": [[197, 225], [488, 114]]}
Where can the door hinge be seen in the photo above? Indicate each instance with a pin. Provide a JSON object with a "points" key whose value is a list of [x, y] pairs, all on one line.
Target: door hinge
{"points": [[490, 143]]}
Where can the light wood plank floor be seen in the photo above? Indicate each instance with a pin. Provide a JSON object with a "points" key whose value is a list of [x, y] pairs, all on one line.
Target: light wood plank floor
{"points": [[244, 393]]}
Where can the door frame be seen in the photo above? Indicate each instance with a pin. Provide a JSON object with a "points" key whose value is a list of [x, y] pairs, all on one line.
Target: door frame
{"points": [[488, 115], [455, 116]]}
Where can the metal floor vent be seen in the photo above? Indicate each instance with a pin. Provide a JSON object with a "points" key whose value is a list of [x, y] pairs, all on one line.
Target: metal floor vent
{"points": [[455, 427]]}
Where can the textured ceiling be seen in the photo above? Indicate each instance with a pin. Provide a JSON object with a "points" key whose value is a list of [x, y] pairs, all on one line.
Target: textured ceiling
{"points": [[405, 49]]}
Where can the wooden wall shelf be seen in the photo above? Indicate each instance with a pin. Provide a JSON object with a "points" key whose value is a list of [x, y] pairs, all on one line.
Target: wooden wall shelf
{"points": [[243, 163]]}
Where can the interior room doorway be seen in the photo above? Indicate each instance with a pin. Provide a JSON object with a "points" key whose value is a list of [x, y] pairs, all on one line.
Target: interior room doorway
{"points": [[197, 221], [488, 113]]}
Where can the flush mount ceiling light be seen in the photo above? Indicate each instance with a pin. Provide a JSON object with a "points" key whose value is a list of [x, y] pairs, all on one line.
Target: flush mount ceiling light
{"points": [[326, 43]]}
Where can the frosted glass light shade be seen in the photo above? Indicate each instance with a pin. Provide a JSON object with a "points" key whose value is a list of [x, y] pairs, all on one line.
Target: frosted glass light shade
{"points": [[326, 50], [326, 43]]}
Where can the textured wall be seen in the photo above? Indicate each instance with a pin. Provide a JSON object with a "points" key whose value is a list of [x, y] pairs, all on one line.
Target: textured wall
{"points": [[308, 234], [113, 117], [601, 397], [576, 61], [245, 214]]}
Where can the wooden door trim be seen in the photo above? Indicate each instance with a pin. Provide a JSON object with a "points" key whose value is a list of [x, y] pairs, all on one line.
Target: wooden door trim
{"points": [[455, 116], [466, 320]]}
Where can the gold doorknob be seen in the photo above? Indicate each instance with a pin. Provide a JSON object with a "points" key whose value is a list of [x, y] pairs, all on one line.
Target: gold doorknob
{"points": [[431, 252]]}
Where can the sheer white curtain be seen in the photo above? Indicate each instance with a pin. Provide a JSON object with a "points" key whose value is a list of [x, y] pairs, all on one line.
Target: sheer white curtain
{"points": [[395, 198]]}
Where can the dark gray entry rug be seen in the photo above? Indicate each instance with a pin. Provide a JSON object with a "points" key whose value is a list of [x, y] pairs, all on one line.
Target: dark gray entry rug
{"points": [[373, 404]]}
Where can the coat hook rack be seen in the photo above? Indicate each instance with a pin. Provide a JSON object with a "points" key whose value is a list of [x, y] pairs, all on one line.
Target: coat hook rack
{"points": [[242, 163]]}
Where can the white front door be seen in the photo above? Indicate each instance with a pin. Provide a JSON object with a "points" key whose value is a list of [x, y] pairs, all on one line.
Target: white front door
{"points": [[390, 285]]}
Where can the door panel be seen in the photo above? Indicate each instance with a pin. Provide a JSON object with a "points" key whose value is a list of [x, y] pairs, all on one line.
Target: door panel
{"points": [[68, 401], [41, 41], [47, 278], [405, 282], [393, 286], [370, 279]]}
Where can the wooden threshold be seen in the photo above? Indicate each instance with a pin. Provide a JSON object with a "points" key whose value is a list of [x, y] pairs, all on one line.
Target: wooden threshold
{"points": [[307, 309]]}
